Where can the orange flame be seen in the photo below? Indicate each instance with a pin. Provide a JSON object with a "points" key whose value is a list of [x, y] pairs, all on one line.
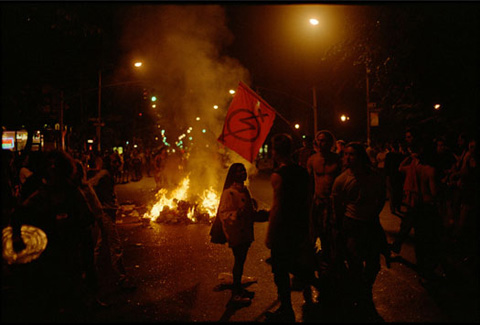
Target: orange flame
{"points": [[168, 201], [210, 202]]}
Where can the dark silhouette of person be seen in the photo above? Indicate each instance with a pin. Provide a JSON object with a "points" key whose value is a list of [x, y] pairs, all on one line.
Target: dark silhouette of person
{"points": [[288, 228], [58, 208], [104, 186], [302, 154], [394, 177], [358, 197]]}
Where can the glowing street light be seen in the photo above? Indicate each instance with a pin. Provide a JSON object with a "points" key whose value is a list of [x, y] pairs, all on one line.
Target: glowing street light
{"points": [[297, 126], [99, 122], [313, 21], [215, 106], [344, 118], [198, 118], [231, 91], [437, 106]]}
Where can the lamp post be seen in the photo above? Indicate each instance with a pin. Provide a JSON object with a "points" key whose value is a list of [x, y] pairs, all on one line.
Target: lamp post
{"points": [[314, 22], [368, 104], [99, 123], [99, 118], [315, 111]]}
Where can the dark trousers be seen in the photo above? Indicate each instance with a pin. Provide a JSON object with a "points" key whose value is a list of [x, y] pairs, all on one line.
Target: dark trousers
{"points": [[240, 255], [300, 263], [362, 253], [406, 226], [428, 243]]}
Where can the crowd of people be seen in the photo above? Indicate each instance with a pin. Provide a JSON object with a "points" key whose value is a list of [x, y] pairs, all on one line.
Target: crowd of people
{"points": [[324, 223], [71, 198]]}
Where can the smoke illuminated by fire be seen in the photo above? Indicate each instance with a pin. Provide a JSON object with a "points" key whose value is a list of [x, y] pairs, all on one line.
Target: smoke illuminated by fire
{"points": [[182, 48]]}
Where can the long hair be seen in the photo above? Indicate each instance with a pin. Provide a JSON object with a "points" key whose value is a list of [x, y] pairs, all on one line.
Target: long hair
{"points": [[362, 156], [229, 180]]}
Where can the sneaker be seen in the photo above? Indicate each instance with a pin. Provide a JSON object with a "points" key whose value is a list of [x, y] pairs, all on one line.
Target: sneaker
{"points": [[240, 300], [281, 315]]}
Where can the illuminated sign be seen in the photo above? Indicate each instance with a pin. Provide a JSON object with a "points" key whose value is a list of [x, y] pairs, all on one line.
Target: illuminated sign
{"points": [[8, 143]]}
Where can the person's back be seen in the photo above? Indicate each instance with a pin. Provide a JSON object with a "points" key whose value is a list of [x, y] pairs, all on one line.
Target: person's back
{"points": [[287, 233], [104, 184], [392, 162], [294, 206]]}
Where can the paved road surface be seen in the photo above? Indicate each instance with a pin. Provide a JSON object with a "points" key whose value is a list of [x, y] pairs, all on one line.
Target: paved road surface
{"points": [[176, 270], [177, 267]]}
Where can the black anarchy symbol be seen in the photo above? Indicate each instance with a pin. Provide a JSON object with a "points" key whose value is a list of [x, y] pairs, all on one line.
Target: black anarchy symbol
{"points": [[250, 122]]}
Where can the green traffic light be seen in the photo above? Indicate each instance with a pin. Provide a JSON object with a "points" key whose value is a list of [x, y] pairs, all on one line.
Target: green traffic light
{"points": [[154, 98]]}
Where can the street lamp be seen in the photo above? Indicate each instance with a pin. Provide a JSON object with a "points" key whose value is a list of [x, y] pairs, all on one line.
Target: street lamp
{"points": [[367, 71], [99, 123], [314, 22]]}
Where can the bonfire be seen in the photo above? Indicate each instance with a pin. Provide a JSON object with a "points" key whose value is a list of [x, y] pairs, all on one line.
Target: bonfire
{"points": [[181, 206]]}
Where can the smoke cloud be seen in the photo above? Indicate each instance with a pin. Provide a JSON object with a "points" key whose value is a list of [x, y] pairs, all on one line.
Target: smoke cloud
{"points": [[182, 47]]}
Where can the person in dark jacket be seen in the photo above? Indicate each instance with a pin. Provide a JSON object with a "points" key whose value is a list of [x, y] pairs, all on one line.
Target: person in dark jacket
{"points": [[58, 208]]}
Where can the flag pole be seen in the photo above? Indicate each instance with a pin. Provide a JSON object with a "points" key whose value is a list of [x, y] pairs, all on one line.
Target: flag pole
{"points": [[276, 112]]}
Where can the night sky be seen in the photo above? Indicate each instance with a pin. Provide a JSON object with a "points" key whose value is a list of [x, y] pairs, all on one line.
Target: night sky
{"points": [[418, 54]]}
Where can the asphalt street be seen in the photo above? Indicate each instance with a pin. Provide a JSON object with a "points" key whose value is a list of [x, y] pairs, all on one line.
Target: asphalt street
{"points": [[179, 276], [177, 271]]}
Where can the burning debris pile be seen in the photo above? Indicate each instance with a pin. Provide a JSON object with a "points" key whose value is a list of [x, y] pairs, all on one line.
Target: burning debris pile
{"points": [[180, 207]]}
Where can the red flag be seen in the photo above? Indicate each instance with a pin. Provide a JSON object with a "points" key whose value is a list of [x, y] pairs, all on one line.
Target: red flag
{"points": [[248, 121]]}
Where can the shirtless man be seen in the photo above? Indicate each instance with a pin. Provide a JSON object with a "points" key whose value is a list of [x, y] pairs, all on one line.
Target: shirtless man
{"points": [[324, 166]]}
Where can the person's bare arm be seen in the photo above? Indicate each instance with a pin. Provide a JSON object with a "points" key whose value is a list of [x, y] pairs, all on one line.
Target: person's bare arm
{"points": [[276, 181]]}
